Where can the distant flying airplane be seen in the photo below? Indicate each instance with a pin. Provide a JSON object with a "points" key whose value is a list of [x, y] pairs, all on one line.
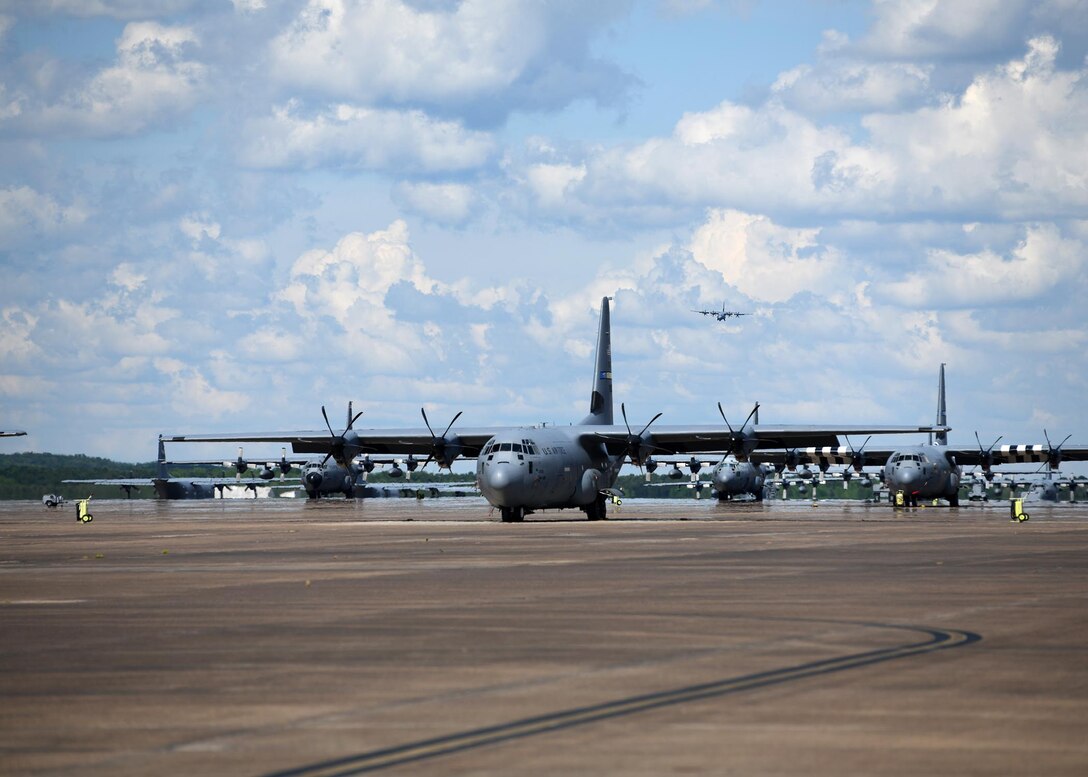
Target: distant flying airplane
{"points": [[521, 470], [721, 315], [14, 433]]}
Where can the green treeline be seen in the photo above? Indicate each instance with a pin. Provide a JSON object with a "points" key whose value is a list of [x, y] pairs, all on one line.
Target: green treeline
{"points": [[32, 475]]}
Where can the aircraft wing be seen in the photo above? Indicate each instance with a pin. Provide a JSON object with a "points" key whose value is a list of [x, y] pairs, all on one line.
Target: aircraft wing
{"points": [[1018, 454], [1039, 453], [138, 482], [135, 482], [416, 440], [718, 438]]}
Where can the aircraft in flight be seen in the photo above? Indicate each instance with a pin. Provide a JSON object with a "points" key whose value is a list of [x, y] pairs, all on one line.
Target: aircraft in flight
{"points": [[524, 469], [721, 315], [13, 433]]}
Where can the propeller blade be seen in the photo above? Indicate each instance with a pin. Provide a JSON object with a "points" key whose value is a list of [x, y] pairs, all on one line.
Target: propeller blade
{"points": [[451, 423], [730, 427], [647, 426]]}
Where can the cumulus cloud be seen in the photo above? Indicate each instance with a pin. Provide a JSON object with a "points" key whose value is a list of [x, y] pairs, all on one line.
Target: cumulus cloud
{"points": [[478, 57], [363, 138], [1009, 146], [120, 9], [446, 203], [853, 86], [27, 215], [153, 81], [766, 261], [929, 30], [1043, 260]]}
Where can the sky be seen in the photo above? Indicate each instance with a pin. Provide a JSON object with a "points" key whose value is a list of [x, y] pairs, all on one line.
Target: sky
{"points": [[221, 215]]}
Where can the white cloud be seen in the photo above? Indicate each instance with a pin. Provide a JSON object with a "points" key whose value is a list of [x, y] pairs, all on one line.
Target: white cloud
{"points": [[446, 203], [348, 284], [193, 396], [26, 215], [152, 82], [1010, 147], [364, 138], [1034, 268], [853, 86], [765, 261], [121, 9], [921, 30], [520, 53]]}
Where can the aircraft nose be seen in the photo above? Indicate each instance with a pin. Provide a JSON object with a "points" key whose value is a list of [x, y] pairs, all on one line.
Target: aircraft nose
{"points": [[313, 478], [908, 476], [501, 481]]}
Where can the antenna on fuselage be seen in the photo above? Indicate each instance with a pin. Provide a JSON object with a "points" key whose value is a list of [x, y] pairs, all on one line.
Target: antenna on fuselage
{"points": [[942, 436], [600, 400]]}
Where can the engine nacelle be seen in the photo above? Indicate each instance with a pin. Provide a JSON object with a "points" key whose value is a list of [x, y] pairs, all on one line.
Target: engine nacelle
{"points": [[591, 484]]}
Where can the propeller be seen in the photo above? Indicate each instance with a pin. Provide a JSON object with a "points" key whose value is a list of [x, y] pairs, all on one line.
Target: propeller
{"points": [[240, 464], [284, 464], [857, 456], [443, 450], [986, 456], [738, 437], [410, 464], [651, 467], [1054, 454], [366, 466], [635, 447], [338, 448]]}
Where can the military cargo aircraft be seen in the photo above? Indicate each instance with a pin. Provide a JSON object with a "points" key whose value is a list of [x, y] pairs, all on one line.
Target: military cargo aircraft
{"points": [[721, 315], [523, 469], [930, 471], [729, 478], [13, 433], [167, 487]]}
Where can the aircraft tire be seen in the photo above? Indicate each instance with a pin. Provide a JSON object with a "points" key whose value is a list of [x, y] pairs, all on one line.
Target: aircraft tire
{"points": [[511, 514], [954, 501]]}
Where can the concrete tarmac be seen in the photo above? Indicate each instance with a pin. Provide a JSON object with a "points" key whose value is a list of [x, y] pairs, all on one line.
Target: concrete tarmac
{"points": [[276, 637]]}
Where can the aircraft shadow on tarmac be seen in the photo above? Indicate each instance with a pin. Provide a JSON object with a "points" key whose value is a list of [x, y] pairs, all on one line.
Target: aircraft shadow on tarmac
{"points": [[436, 747]]}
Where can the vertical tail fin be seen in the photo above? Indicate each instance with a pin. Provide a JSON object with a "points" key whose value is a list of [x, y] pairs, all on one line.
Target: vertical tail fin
{"points": [[942, 419], [162, 460], [600, 400]]}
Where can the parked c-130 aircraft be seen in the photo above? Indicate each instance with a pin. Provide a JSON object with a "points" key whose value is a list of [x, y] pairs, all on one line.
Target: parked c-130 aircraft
{"points": [[521, 470], [930, 471]]}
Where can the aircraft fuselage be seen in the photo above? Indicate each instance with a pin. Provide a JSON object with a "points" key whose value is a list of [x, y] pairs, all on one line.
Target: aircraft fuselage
{"points": [[923, 472], [522, 470], [731, 478]]}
